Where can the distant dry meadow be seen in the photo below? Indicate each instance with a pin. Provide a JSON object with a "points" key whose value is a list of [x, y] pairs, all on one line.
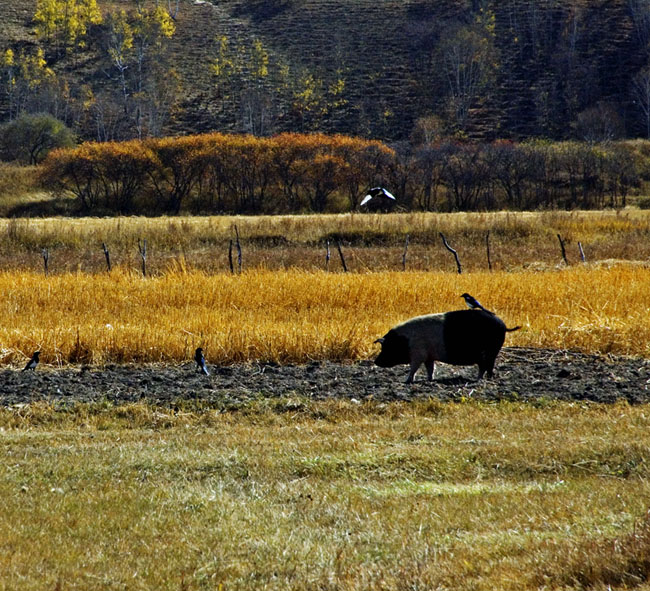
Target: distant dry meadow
{"points": [[517, 240]]}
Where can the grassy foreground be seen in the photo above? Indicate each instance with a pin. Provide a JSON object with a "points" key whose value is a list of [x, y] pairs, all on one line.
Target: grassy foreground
{"points": [[296, 316], [300, 495]]}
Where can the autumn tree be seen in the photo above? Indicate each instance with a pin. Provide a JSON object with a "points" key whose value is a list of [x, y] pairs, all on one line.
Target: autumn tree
{"points": [[313, 99], [599, 123], [136, 45], [323, 176], [178, 170], [224, 67], [428, 165], [65, 23], [109, 175], [152, 27], [119, 46], [465, 175], [249, 84], [8, 63], [31, 84], [266, 92]]}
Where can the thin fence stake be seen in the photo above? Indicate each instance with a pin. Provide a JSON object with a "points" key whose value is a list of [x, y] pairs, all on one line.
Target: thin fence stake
{"points": [[238, 245], [142, 248], [338, 245], [108, 257], [451, 250], [582, 252], [46, 257], [327, 255], [406, 248], [487, 247], [232, 268], [563, 249]]}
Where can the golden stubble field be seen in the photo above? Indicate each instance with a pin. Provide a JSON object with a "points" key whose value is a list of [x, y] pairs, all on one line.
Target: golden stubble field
{"points": [[285, 307], [297, 316]]}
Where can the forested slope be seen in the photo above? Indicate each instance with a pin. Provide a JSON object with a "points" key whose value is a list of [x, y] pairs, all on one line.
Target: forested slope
{"points": [[374, 68]]}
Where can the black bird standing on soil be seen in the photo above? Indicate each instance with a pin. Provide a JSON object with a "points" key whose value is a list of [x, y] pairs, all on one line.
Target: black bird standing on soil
{"points": [[200, 361], [473, 303], [33, 362]]}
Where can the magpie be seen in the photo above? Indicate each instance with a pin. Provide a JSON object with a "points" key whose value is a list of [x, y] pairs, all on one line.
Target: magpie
{"points": [[374, 192], [200, 361], [473, 303], [33, 362]]}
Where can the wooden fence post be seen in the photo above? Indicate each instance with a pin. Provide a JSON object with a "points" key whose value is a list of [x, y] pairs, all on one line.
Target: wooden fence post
{"points": [[46, 257], [238, 245], [232, 268], [327, 255], [582, 252], [406, 248], [108, 257], [451, 250], [142, 248], [487, 247], [563, 249], [338, 245]]}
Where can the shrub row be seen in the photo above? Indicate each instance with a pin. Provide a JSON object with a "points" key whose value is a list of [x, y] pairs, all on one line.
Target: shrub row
{"points": [[221, 173]]}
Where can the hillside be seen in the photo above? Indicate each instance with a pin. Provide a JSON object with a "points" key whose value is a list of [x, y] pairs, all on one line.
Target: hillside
{"points": [[369, 42], [485, 69]]}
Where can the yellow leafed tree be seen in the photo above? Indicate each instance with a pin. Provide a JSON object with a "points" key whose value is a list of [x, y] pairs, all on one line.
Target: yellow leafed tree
{"points": [[65, 22]]}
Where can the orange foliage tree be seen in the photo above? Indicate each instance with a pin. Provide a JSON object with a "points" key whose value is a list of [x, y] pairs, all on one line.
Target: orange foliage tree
{"points": [[107, 175]]}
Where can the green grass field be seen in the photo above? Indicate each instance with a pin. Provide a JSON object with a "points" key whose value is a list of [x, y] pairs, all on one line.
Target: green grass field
{"points": [[294, 494]]}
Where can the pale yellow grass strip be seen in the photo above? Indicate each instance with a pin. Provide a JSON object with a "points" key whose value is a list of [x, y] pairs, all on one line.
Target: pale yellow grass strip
{"points": [[331, 496], [294, 316], [164, 230]]}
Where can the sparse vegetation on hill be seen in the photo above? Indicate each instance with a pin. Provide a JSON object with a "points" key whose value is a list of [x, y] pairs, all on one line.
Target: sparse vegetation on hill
{"points": [[484, 69]]}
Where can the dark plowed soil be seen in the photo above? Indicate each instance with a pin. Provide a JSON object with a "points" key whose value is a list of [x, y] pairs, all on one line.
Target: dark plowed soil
{"points": [[521, 374]]}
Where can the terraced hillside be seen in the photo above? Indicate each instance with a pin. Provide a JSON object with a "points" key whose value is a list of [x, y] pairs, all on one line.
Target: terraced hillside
{"points": [[374, 45], [548, 62]]}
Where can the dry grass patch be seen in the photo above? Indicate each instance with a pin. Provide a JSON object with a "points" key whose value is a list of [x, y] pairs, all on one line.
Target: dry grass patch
{"points": [[332, 495], [370, 242]]}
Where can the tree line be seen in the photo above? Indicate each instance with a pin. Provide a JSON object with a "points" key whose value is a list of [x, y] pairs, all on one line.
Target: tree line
{"points": [[298, 173]]}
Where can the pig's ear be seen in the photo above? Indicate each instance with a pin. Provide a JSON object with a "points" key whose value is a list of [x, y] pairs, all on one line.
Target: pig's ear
{"points": [[380, 341]]}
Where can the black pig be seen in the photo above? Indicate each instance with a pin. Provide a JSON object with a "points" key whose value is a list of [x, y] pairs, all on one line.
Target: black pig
{"points": [[460, 337]]}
